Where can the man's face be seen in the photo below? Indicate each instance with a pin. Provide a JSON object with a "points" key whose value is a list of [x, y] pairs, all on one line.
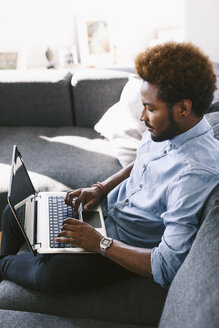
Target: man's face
{"points": [[158, 117]]}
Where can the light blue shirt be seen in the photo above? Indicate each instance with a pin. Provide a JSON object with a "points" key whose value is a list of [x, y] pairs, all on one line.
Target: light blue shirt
{"points": [[159, 205]]}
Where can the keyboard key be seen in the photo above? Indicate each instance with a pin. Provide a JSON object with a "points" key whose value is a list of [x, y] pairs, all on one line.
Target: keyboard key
{"points": [[21, 214], [58, 211]]}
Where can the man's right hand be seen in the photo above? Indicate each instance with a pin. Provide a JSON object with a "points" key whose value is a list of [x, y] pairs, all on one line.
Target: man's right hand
{"points": [[89, 196]]}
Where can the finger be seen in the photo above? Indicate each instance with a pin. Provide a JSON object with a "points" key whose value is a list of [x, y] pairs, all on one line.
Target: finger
{"points": [[78, 201], [68, 192], [67, 195], [89, 204], [64, 240], [70, 227], [71, 221], [65, 233], [70, 195]]}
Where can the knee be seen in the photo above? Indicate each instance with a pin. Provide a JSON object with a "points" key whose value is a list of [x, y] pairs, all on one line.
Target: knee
{"points": [[45, 277]]}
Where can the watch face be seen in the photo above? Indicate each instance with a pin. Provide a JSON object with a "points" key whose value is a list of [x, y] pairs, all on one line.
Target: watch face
{"points": [[105, 242]]}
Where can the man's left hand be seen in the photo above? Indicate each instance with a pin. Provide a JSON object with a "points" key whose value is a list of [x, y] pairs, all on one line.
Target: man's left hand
{"points": [[80, 234]]}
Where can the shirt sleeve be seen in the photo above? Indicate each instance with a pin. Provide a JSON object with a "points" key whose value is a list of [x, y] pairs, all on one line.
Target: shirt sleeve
{"points": [[185, 198]]}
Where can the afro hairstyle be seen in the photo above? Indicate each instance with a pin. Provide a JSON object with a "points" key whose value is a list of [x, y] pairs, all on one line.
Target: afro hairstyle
{"points": [[180, 71]]}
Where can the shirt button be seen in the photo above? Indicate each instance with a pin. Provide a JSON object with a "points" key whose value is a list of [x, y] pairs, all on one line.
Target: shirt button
{"points": [[141, 185], [127, 201], [164, 152]]}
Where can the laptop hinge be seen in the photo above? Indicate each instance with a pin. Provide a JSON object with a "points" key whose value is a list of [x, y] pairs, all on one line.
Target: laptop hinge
{"points": [[36, 246], [35, 198]]}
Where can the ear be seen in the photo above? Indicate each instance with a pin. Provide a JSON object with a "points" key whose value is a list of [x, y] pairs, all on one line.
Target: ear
{"points": [[183, 108]]}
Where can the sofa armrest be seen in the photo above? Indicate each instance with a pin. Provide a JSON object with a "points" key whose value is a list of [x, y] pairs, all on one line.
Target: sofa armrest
{"points": [[94, 91], [193, 297]]}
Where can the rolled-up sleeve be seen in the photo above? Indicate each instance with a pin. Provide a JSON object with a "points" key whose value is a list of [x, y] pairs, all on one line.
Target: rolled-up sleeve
{"points": [[186, 196]]}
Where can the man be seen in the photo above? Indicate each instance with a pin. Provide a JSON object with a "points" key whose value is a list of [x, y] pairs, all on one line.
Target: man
{"points": [[153, 206]]}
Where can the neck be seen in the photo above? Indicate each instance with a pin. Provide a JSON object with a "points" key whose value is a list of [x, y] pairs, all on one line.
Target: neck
{"points": [[189, 122]]}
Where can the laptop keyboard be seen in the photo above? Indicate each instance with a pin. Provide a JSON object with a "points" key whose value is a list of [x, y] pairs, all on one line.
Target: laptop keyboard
{"points": [[58, 211], [20, 211]]}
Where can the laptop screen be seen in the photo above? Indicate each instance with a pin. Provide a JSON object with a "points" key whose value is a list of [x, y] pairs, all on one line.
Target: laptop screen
{"points": [[21, 186]]}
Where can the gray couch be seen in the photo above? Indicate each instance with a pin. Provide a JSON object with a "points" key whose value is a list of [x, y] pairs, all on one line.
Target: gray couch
{"points": [[52, 122]]}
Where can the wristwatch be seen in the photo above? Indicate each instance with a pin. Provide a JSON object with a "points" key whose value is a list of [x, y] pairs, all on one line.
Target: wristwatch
{"points": [[104, 244]]}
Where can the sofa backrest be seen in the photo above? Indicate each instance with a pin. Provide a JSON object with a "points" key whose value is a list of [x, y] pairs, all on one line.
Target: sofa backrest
{"points": [[63, 98], [214, 107], [216, 93], [59, 97], [94, 91], [35, 98]]}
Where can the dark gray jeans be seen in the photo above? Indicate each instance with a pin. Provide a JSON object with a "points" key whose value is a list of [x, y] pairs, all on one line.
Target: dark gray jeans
{"points": [[57, 272]]}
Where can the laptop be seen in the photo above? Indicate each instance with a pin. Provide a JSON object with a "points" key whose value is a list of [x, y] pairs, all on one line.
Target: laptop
{"points": [[40, 215]]}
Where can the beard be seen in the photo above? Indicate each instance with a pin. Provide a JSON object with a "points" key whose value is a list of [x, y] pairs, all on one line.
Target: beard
{"points": [[170, 132]]}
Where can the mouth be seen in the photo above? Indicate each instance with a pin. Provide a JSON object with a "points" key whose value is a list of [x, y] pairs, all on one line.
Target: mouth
{"points": [[149, 127]]}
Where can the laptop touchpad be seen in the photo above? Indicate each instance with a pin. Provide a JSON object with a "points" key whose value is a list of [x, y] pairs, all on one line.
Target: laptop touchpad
{"points": [[92, 218]]}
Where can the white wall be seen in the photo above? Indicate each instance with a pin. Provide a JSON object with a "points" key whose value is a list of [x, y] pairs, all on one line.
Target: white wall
{"points": [[30, 26], [202, 25]]}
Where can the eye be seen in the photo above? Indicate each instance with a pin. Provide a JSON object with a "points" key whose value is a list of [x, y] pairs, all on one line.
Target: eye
{"points": [[149, 108]]}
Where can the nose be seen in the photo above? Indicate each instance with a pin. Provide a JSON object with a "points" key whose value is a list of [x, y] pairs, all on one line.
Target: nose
{"points": [[144, 115]]}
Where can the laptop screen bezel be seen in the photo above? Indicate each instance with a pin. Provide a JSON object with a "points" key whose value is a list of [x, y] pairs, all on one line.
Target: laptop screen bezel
{"points": [[16, 153]]}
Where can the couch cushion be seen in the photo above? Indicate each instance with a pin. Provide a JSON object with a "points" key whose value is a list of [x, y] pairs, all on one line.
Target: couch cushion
{"points": [[215, 103], [216, 93], [213, 119], [18, 319], [121, 124], [57, 158], [214, 107], [135, 300], [94, 91], [38, 98], [193, 298]]}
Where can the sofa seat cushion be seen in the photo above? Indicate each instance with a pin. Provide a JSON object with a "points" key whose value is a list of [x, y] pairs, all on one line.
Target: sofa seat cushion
{"points": [[17, 319], [56, 158], [135, 300], [193, 298]]}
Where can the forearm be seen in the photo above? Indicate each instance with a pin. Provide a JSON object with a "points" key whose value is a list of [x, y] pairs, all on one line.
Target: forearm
{"points": [[117, 178], [81, 234], [135, 259]]}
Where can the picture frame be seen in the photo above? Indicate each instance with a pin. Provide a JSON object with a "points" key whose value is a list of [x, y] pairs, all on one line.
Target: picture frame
{"points": [[94, 39], [68, 56], [8, 60]]}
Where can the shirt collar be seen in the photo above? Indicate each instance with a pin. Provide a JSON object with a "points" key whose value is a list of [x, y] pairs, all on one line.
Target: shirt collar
{"points": [[200, 128]]}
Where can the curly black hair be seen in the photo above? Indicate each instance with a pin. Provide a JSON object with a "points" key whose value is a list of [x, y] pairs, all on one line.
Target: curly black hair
{"points": [[180, 71]]}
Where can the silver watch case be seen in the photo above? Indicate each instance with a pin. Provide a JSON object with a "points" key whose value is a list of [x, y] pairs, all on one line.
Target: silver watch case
{"points": [[104, 244]]}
